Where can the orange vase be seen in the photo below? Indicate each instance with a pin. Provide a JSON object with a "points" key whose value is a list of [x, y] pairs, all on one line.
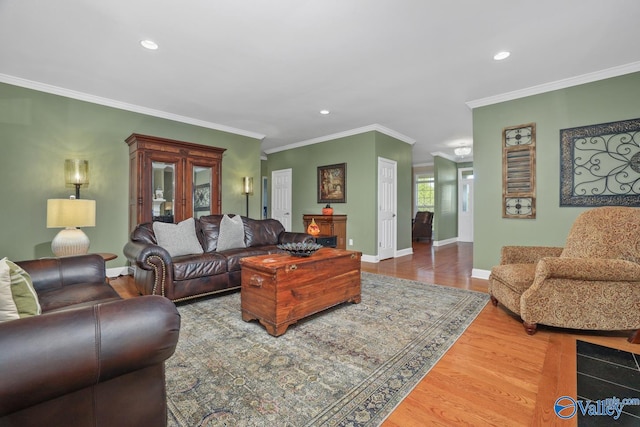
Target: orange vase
{"points": [[313, 228]]}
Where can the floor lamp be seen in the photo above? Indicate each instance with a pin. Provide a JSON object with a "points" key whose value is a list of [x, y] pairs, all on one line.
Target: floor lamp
{"points": [[76, 173], [247, 188]]}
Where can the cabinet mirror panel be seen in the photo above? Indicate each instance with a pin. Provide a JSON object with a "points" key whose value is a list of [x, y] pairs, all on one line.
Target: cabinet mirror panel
{"points": [[163, 185], [201, 191]]}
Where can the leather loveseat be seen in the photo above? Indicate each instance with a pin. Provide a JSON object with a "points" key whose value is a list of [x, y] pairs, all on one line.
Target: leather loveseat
{"points": [[189, 276], [90, 358]]}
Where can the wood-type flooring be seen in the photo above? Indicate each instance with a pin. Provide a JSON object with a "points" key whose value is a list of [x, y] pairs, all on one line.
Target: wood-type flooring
{"points": [[495, 374]]}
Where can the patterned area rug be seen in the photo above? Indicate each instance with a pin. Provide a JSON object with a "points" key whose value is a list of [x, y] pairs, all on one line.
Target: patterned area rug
{"points": [[347, 366]]}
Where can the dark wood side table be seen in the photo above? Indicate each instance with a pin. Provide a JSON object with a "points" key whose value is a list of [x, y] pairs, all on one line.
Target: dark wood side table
{"points": [[326, 240], [330, 225], [107, 256]]}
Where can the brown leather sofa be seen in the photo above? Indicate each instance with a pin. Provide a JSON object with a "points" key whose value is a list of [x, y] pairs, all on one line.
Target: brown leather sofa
{"points": [[190, 276], [90, 358]]}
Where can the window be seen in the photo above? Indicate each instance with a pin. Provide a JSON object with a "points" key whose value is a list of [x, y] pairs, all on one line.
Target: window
{"points": [[425, 193]]}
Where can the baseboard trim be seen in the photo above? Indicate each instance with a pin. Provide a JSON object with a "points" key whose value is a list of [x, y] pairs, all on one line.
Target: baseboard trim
{"points": [[404, 252], [370, 258], [480, 274], [118, 271], [445, 242]]}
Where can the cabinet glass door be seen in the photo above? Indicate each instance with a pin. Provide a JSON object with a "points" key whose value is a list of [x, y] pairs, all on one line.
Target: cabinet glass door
{"points": [[201, 191], [163, 188]]}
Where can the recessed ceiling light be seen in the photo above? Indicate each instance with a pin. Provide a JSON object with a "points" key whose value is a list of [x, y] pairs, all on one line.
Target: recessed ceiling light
{"points": [[149, 44], [324, 112], [501, 55]]}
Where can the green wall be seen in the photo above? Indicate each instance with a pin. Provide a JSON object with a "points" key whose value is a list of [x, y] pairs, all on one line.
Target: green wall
{"points": [[360, 153], [38, 131], [445, 217], [593, 103], [392, 149]]}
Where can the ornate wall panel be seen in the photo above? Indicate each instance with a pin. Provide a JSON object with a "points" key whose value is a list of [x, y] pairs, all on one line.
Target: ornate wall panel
{"points": [[519, 171], [600, 165]]}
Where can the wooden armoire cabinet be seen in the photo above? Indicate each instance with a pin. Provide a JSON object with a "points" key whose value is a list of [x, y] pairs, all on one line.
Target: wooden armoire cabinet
{"points": [[171, 180], [331, 225]]}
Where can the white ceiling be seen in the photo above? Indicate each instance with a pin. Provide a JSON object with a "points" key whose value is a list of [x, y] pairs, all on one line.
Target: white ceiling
{"points": [[265, 68]]}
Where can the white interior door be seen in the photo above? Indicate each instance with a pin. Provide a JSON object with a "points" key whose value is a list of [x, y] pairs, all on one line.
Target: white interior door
{"points": [[387, 201], [465, 205], [281, 197]]}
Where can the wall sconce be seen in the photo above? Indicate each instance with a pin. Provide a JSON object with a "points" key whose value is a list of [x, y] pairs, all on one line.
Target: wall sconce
{"points": [[76, 172], [69, 214], [247, 188]]}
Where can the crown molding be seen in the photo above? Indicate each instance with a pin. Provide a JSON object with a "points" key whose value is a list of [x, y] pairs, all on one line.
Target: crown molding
{"points": [[560, 84], [422, 165], [81, 96], [444, 155], [357, 131]]}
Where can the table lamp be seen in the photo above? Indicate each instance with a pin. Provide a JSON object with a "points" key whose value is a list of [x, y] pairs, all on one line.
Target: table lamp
{"points": [[70, 214]]}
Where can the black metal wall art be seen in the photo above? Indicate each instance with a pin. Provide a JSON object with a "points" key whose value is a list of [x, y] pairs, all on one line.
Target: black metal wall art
{"points": [[600, 164]]}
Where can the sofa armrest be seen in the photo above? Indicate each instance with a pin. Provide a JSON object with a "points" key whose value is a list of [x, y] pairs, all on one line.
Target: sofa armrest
{"points": [[154, 259], [527, 254], [292, 237], [589, 269], [53, 273], [44, 357], [138, 254]]}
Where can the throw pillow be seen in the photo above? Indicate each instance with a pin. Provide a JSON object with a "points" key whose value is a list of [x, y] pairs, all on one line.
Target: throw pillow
{"points": [[231, 233], [8, 309], [22, 291], [178, 239]]}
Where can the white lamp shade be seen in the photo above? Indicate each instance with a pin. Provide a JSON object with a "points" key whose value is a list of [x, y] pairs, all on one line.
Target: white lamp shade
{"points": [[63, 213]]}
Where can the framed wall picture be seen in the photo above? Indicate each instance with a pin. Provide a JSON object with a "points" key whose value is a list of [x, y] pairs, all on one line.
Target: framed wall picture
{"points": [[202, 197], [332, 183]]}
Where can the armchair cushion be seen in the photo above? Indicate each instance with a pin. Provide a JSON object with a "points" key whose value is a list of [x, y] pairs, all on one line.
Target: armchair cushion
{"points": [[516, 277], [590, 269], [613, 232], [178, 239], [527, 254], [22, 294]]}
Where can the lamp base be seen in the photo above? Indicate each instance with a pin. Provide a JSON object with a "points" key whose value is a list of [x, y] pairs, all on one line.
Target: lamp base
{"points": [[70, 241]]}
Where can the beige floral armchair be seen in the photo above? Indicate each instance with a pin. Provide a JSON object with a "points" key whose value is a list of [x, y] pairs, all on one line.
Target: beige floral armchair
{"points": [[592, 283]]}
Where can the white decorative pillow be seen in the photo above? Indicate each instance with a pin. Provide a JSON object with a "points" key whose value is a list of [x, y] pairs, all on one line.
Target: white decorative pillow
{"points": [[178, 239], [8, 309], [21, 299], [231, 234]]}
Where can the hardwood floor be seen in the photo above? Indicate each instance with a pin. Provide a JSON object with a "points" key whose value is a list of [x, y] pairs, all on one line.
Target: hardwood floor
{"points": [[495, 374]]}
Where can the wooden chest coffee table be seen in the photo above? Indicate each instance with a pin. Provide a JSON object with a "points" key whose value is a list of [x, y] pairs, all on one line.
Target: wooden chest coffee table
{"points": [[280, 289]]}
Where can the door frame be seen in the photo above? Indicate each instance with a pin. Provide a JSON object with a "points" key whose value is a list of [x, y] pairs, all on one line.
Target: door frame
{"points": [[391, 251], [460, 219], [289, 172]]}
